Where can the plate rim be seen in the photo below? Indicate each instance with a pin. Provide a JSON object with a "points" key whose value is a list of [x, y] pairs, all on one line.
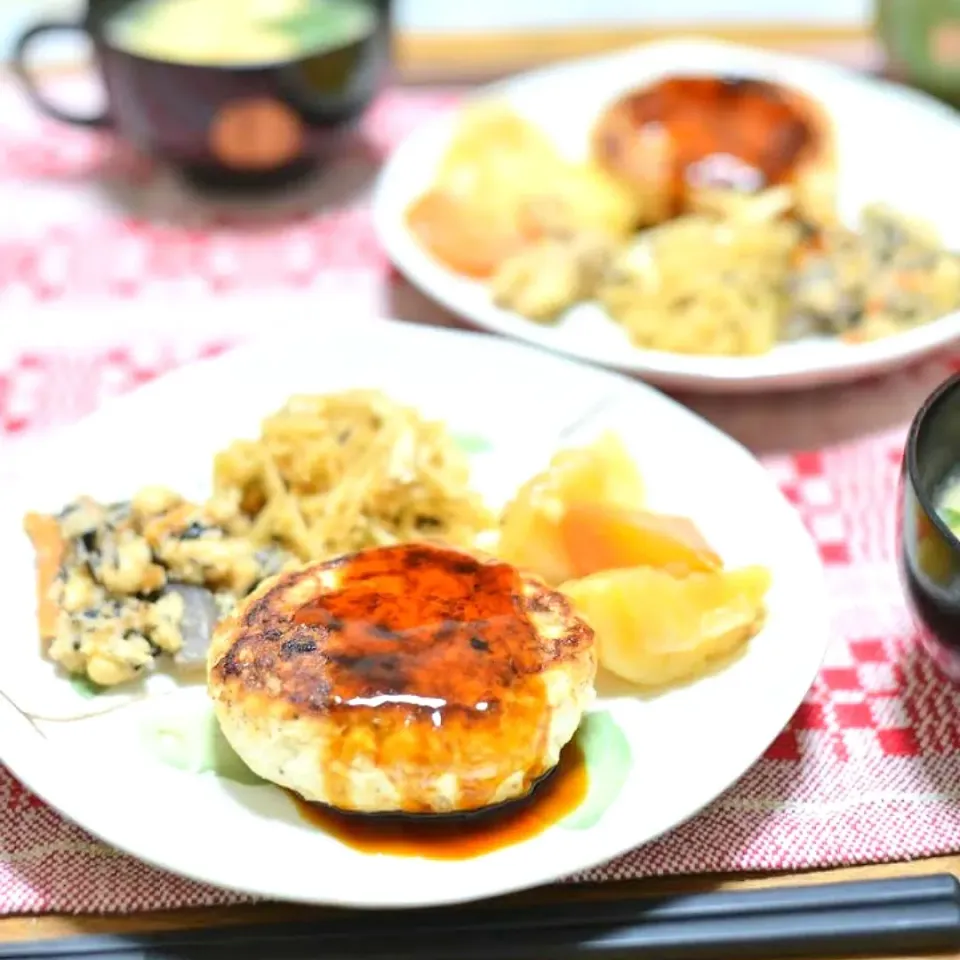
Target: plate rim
{"points": [[708, 374], [47, 779]]}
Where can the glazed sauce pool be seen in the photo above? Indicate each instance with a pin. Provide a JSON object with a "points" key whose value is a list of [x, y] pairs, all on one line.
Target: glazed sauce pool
{"points": [[726, 132], [453, 837]]}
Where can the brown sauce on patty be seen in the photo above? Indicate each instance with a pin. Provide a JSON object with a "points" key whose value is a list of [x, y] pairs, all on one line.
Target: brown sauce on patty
{"points": [[728, 132]]}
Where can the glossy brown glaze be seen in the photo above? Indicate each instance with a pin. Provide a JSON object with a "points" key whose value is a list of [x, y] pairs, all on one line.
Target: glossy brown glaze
{"points": [[721, 132], [420, 671], [461, 837], [427, 627]]}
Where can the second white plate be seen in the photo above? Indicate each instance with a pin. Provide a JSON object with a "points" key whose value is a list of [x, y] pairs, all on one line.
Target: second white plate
{"points": [[895, 145]]}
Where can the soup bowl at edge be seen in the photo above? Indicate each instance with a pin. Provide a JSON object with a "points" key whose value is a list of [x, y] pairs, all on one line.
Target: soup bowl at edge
{"points": [[245, 120], [929, 550]]}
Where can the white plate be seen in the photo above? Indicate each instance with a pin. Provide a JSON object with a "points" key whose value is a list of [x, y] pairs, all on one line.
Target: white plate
{"points": [[895, 145], [687, 745]]}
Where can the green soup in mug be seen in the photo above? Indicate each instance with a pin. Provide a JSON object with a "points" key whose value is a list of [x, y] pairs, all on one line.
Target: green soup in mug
{"points": [[237, 33]]}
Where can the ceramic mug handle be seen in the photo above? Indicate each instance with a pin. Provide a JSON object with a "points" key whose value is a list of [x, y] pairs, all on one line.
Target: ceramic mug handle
{"points": [[22, 72]]}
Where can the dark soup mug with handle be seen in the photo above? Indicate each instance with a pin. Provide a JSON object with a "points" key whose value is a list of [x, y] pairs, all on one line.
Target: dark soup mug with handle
{"points": [[232, 92], [929, 524]]}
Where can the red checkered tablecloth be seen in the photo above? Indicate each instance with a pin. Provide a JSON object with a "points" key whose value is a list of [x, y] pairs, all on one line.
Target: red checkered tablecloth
{"points": [[85, 216], [867, 770]]}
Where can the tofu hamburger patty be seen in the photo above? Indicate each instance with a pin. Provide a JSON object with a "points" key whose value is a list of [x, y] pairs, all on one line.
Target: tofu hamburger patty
{"points": [[411, 678]]}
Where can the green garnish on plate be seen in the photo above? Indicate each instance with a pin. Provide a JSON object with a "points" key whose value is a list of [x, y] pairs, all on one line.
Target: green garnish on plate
{"points": [[191, 740], [85, 686], [472, 443], [606, 752]]}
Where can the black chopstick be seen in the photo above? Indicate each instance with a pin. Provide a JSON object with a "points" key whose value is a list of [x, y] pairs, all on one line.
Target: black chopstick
{"points": [[880, 917]]}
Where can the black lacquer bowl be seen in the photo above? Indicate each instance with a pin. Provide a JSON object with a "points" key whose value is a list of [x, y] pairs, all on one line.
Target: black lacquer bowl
{"points": [[929, 552], [227, 126]]}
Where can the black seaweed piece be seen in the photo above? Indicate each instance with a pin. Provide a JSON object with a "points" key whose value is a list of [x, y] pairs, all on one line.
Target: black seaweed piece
{"points": [[67, 510], [111, 607], [428, 523], [87, 544], [105, 552], [195, 531]]}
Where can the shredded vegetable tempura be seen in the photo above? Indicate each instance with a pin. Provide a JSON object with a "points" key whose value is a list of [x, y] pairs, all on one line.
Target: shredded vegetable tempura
{"points": [[711, 282], [334, 474]]}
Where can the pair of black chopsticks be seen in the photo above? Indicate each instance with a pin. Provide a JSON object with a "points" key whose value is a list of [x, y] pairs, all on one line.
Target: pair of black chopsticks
{"points": [[880, 917]]}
